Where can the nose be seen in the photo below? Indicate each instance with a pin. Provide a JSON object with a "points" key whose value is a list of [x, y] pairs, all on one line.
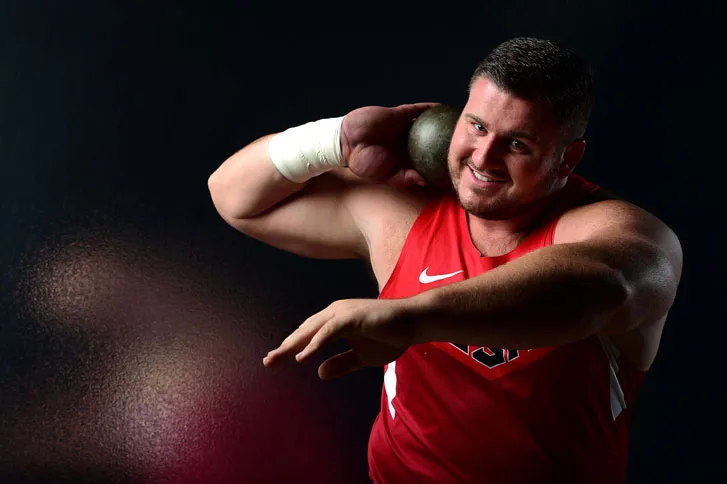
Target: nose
{"points": [[486, 153]]}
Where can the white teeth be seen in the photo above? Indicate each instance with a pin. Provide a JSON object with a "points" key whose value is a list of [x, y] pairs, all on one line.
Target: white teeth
{"points": [[483, 178]]}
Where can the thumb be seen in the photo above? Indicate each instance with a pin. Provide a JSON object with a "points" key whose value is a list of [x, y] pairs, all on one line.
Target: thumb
{"points": [[340, 365]]}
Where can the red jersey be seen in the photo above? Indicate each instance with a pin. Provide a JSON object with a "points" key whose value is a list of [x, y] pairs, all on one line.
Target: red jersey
{"points": [[456, 413]]}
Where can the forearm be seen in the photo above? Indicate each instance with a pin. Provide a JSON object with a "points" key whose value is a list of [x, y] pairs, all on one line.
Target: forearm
{"points": [[276, 166], [551, 296], [248, 183]]}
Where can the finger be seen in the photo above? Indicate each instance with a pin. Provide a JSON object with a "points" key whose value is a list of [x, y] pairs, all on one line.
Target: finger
{"points": [[398, 179], [303, 329], [292, 345], [340, 365], [298, 339], [415, 109], [405, 178], [332, 331], [413, 177]]}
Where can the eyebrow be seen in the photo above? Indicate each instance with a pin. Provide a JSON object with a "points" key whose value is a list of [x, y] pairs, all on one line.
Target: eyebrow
{"points": [[512, 134]]}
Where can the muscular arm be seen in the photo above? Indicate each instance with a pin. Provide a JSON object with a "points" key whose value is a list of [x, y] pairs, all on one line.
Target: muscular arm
{"points": [[614, 268], [247, 184], [311, 219], [327, 216]]}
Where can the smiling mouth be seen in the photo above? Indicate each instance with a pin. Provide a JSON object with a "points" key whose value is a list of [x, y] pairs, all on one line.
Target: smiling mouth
{"points": [[484, 178]]}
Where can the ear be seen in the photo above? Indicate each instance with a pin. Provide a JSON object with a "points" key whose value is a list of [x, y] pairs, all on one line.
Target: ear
{"points": [[571, 157]]}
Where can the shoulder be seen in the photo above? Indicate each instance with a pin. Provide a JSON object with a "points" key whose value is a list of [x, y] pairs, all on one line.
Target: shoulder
{"points": [[378, 205], [612, 219], [373, 202], [385, 216]]}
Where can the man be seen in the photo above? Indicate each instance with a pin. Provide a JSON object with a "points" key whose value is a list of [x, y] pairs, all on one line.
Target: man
{"points": [[518, 313]]}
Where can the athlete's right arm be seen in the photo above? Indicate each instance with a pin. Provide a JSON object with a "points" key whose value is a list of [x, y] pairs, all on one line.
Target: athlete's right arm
{"points": [[311, 219], [326, 216]]}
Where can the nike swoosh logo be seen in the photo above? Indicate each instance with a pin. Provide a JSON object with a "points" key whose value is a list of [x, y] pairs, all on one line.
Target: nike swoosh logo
{"points": [[425, 278]]}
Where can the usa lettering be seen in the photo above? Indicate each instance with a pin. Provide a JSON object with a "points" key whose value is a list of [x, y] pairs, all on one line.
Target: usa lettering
{"points": [[489, 357]]}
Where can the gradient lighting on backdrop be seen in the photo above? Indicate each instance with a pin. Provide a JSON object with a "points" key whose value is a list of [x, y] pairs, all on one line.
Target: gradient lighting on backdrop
{"points": [[170, 384]]}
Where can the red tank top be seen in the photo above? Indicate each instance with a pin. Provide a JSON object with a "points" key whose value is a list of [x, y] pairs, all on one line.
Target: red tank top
{"points": [[455, 413]]}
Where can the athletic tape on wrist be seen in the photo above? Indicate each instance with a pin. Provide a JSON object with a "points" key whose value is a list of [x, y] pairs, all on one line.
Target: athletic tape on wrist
{"points": [[305, 151]]}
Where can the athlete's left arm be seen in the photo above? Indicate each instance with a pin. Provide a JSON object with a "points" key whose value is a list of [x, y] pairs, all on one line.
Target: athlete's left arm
{"points": [[613, 267]]}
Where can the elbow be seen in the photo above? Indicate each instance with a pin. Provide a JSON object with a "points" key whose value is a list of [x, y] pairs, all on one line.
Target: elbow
{"points": [[216, 190], [603, 294], [619, 289], [618, 302], [642, 292], [212, 187], [606, 288]]}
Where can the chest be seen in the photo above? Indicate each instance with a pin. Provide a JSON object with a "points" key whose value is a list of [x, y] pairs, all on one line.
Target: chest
{"points": [[388, 236]]}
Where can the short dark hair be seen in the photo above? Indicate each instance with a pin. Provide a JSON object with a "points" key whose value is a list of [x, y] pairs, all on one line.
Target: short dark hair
{"points": [[544, 70]]}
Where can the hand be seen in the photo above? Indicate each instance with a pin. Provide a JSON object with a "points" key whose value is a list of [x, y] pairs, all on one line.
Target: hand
{"points": [[378, 331], [374, 143]]}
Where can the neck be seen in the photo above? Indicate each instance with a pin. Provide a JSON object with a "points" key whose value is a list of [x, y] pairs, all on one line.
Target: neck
{"points": [[497, 237]]}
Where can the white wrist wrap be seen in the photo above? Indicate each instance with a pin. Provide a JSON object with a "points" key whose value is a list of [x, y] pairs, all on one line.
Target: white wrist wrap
{"points": [[309, 150]]}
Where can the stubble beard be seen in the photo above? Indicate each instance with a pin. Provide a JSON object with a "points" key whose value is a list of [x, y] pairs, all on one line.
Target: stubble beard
{"points": [[501, 207]]}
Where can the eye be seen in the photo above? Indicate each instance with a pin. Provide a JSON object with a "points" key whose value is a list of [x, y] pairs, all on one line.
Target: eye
{"points": [[478, 127], [519, 145]]}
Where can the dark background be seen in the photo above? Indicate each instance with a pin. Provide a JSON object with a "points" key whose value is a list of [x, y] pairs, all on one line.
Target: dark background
{"points": [[133, 320]]}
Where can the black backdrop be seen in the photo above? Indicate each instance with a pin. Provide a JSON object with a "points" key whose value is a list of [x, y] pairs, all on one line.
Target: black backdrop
{"points": [[134, 320]]}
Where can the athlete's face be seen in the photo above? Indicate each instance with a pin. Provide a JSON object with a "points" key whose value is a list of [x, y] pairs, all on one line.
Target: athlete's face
{"points": [[514, 144]]}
